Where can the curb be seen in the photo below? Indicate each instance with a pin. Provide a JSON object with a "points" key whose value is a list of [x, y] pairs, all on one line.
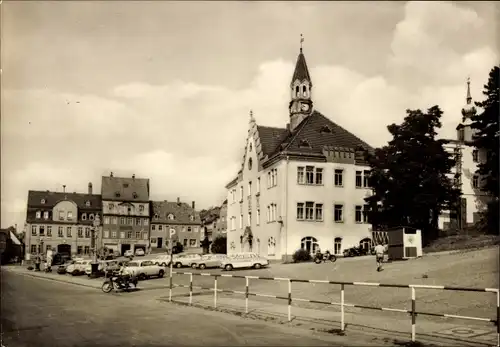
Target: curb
{"points": [[54, 280]]}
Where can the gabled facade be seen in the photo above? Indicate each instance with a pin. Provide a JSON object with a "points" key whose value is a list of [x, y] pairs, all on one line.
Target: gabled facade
{"points": [[126, 215], [60, 221], [181, 217], [301, 186], [473, 201]]}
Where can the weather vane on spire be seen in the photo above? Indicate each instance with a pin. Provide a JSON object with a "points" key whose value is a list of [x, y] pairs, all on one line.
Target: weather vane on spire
{"points": [[301, 41]]}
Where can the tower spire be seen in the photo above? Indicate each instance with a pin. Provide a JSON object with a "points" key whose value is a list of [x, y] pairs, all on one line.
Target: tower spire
{"points": [[252, 119], [301, 41], [468, 110], [469, 97]]}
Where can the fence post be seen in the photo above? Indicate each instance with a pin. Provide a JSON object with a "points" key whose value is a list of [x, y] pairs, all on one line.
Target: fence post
{"points": [[246, 294], [342, 321], [289, 300], [498, 318], [190, 289], [171, 285], [215, 291], [413, 314]]}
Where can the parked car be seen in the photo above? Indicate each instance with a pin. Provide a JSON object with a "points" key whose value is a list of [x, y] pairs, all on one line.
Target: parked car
{"points": [[61, 269], [78, 267], [144, 269], [208, 261], [183, 260], [104, 267], [128, 253], [244, 260], [163, 259], [139, 252]]}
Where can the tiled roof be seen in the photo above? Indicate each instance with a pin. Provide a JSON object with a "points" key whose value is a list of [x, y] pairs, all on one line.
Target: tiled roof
{"points": [[181, 211], [271, 138], [52, 198], [128, 188], [301, 71]]}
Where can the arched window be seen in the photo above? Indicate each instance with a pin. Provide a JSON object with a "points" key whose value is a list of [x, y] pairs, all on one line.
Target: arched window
{"points": [[337, 245], [171, 216], [271, 246], [297, 91], [304, 90], [309, 244], [91, 216], [365, 243]]}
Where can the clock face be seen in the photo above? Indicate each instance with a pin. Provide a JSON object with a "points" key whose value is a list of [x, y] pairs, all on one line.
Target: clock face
{"points": [[305, 107]]}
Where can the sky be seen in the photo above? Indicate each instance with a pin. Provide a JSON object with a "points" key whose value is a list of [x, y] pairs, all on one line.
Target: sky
{"points": [[163, 90]]}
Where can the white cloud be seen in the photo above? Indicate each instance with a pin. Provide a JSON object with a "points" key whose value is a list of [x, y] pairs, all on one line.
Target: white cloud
{"points": [[188, 138]]}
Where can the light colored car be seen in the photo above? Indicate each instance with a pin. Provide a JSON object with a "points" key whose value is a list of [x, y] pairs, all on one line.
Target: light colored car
{"points": [[186, 260], [144, 269], [78, 267], [209, 261], [103, 265], [163, 259], [128, 253], [244, 260], [139, 252]]}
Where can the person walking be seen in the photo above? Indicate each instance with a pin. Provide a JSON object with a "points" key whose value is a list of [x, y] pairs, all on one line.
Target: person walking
{"points": [[379, 255]]}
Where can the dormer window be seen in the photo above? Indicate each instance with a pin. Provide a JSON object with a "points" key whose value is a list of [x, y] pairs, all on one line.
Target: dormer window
{"points": [[84, 216], [191, 218], [304, 90], [304, 144], [141, 208], [38, 214], [42, 201], [156, 216], [111, 206], [250, 147], [135, 195], [297, 91], [91, 216], [325, 129], [250, 164], [87, 203], [125, 185], [171, 216], [117, 194]]}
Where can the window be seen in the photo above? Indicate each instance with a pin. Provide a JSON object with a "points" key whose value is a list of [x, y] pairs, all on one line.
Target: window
{"points": [[192, 243], [272, 178], [60, 232], [257, 220], [309, 175], [160, 227], [185, 242], [138, 235], [106, 234], [138, 221], [171, 217], [33, 230], [117, 194], [80, 232], [86, 250], [366, 210], [91, 216], [337, 245], [300, 210], [309, 244], [339, 182], [114, 220], [195, 229], [130, 221], [61, 215], [87, 232], [366, 178], [42, 201], [33, 249], [145, 222], [309, 210], [338, 213], [122, 221], [144, 235], [475, 155], [153, 241], [189, 229], [41, 230], [46, 215], [38, 214], [300, 175], [113, 234], [111, 207], [129, 234], [258, 186], [319, 176], [79, 250], [191, 218], [87, 203], [68, 231], [49, 230], [358, 216], [250, 147], [475, 181], [106, 220], [250, 164], [48, 248], [70, 215], [141, 208], [319, 212], [250, 218], [84, 216], [122, 234], [359, 179], [153, 227], [241, 221], [250, 188]]}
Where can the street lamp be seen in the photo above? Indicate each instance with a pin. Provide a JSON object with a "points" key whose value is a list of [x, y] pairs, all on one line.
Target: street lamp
{"points": [[95, 229]]}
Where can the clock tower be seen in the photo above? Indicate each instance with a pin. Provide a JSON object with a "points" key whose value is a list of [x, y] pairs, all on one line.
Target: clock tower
{"points": [[301, 86]]}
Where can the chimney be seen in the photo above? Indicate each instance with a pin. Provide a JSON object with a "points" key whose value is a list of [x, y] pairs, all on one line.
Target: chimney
{"points": [[193, 204], [64, 188], [90, 188], [133, 176], [178, 201], [111, 174]]}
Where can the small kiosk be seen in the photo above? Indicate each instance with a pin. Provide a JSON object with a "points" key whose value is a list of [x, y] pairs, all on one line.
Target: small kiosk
{"points": [[403, 242]]}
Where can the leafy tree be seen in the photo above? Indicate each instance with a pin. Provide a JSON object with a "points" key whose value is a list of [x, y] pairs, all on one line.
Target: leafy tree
{"points": [[219, 246], [410, 176], [178, 248], [486, 139]]}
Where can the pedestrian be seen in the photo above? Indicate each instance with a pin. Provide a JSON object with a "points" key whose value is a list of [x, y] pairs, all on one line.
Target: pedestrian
{"points": [[379, 254]]}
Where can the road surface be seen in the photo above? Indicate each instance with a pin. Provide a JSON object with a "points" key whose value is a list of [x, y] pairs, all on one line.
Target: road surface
{"points": [[38, 312]]}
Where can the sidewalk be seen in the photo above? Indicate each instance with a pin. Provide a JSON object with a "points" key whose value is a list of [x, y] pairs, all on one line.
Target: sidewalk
{"points": [[382, 326]]}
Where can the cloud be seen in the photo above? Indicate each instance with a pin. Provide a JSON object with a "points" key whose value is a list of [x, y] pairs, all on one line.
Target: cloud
{"points": [[188, 138]]}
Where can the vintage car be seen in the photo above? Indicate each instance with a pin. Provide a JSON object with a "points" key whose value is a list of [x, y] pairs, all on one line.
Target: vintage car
{"points": [[208, 261], [185, 259], [105, 266], [78, 267], [144, 269], [244, 260], [139, 252]]}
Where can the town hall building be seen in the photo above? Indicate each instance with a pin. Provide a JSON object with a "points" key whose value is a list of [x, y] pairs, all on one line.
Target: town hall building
{"points": [[301, 186]]}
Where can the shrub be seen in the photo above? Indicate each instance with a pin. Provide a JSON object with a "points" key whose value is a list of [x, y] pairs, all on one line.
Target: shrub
{"points": [[219, 246], [301, 255]]}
